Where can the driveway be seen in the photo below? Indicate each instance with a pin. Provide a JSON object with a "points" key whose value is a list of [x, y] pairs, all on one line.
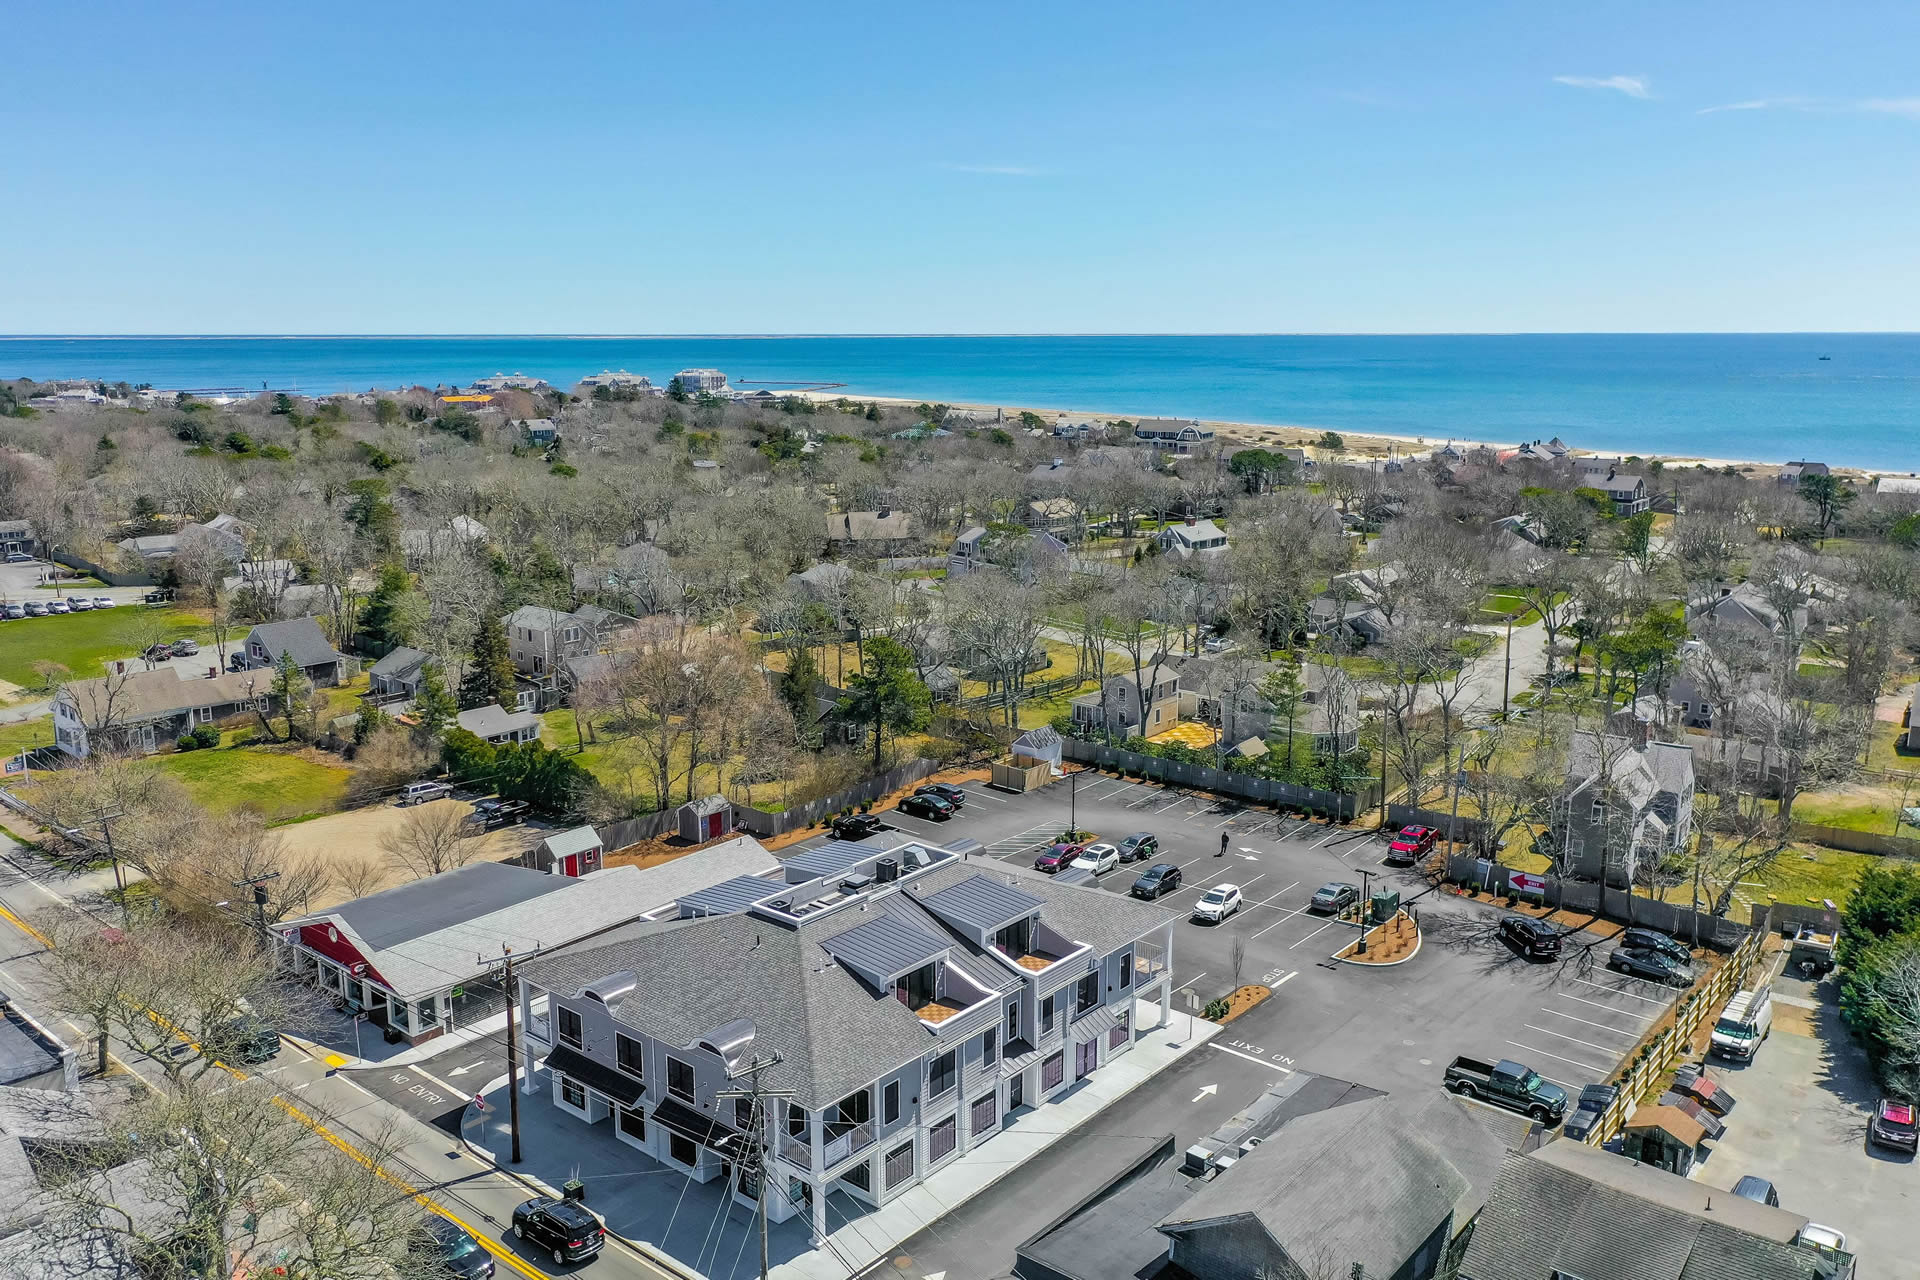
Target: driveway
{"points": [[1801, 1123]]}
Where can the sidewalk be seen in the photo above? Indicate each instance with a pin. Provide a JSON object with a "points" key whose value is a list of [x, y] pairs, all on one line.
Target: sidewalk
{"points": [[700, 1227]]}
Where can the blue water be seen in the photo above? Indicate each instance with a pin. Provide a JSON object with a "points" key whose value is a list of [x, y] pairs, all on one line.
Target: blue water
{"points": [[1767, 397]]}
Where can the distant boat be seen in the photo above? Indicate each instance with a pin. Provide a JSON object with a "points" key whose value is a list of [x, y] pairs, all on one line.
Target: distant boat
{"points": [[1826, 357]]}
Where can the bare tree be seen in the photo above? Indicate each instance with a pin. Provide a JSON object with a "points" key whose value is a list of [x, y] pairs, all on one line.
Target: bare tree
{"points": [[433, 838]]}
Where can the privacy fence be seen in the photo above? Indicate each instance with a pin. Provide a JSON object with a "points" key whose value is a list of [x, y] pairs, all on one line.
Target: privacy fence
{"points": [[764, 824], [1407, 815], [1589, 896], [1244, 786]]}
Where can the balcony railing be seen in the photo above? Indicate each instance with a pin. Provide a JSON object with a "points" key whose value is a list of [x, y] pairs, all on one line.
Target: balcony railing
{"points": [[843, 1142]]}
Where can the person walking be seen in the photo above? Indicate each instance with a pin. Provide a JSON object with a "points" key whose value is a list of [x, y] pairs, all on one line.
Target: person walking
{"points": [[1223, 846]]}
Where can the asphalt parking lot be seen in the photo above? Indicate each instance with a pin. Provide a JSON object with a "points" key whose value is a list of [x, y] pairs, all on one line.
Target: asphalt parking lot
{"points": [[1389, 1028]]}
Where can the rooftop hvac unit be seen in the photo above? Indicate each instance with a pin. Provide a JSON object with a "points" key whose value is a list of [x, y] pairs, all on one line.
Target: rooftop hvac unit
{"points": [[886, 870], [856, 883]]}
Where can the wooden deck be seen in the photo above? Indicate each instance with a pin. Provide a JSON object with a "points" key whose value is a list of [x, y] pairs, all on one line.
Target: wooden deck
{"points": [[938, 1011], [1033, 962]]}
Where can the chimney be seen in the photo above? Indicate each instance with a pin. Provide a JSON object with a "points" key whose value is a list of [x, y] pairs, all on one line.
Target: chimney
{"points": [[884, 513], [1610, 472], [1190, 522], [1725, 592]]}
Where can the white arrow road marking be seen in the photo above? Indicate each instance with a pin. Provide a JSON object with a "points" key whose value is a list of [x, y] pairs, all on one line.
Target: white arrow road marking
{"points": [[1206, 1089], [460, 1071]]}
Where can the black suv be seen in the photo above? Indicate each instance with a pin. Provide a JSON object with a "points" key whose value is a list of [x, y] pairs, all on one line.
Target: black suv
{"points": [[245, 1041], [923, 805], [946, 791], [857, 826], [1534, 939], [1160, 879], [1139, 846], [562, 1227], [1654, 940], [447, 1249]]}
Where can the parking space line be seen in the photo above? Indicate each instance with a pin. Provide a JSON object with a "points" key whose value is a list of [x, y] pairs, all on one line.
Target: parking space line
{"points": [[1559, 1035], [1330, 835], [1599, 1004], [1316, 933], [1584, 1066], [1618, 1031], [1621, 991]]}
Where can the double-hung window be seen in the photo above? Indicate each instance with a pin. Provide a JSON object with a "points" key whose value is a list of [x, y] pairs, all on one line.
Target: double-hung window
{"points": [[680, 1079], [568, 1023], [940, 1075], [631, 1056]]}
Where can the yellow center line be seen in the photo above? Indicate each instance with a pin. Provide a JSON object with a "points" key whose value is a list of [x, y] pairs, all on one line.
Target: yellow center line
{"points": [[25, 928]]}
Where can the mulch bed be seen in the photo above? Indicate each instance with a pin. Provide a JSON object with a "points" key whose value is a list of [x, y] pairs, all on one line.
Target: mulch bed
{"points": [[1243, 999]]}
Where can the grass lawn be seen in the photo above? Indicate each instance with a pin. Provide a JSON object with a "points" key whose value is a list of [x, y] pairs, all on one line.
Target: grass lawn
{"points": [[73, 585], [82, 642], [18, 735], [1887, 752], [283, 785], [1853, 808]]}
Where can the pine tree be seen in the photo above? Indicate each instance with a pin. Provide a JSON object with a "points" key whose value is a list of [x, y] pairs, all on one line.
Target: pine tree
{"points": [[796, 688], [433, 707], [290, 688], [490, 674]]}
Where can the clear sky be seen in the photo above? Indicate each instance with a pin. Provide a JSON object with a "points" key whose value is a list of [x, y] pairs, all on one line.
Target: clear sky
{"points": [[1035, 167]]}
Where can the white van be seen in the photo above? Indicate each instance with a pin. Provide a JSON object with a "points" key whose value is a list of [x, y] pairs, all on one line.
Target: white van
{"points": [[1743, 1024], [421, 792]]}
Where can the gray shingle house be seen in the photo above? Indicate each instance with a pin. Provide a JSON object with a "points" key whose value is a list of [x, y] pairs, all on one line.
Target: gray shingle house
{"points": [[312, 652], [911, 998], [398, 674], [1626, 801]]}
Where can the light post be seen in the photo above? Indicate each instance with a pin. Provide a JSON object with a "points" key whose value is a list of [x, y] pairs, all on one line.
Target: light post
{"points": [[1506, 681]]}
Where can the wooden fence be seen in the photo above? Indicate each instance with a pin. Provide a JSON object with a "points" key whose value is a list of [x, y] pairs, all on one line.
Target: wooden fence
{"points": [[1244, 786], [1857, 841], [1631, 909], [1658, 1052], [764, 824]]}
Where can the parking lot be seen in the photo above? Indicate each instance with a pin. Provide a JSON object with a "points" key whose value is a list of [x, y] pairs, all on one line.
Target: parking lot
{"points": [[1392, 1028]]}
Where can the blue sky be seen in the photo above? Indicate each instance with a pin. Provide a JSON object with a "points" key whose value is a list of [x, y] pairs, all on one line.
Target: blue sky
{"points": [[1033, 167]]}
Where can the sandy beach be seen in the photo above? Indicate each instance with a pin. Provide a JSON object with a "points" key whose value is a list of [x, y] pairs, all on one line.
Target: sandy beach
{"points": [[1358, 446]]}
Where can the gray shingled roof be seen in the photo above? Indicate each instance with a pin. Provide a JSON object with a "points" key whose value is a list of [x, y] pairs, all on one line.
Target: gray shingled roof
{"points": [[493, 720], [885, 947], [409, 911], [301, 637], [1102, 920], [981, 902], [401, 662]]}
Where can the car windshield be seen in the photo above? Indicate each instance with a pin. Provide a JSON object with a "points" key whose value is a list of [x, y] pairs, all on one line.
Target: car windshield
{"points": [[1532, 1081], [1733, 1028], [461, 1247], [1216, 895]]}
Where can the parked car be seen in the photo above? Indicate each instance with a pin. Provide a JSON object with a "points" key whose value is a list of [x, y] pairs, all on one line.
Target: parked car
{"points": [[244, 1041], [16, 611], [946, 791], [445, 1246], [1893, 1126], [1534, 939], [185, 648], [500, 813], [1758, 1190], [79, 604], [930, 807], [1654, 940], [1156, 881], [159, 595], [1216, 644], [1411, 845], [237, 661], [1333, 897], [1587, 1110], [1097, 858], [59, 606], [856, 826], [1139, 846], [1217, 903], [421, 792], [563, 1227], [36, 608], [1825, 1239], [1509, 1084], [1655, 966], [1057, 856], [105, 602], [19, 557]]}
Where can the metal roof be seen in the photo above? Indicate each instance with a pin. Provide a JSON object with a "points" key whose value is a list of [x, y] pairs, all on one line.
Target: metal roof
{"points": [[401, 914], [728, 896], [833, 857], [885, 947], [981, 902]]}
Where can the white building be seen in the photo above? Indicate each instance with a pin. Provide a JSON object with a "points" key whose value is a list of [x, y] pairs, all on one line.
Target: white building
{"points": [[703, 382]]}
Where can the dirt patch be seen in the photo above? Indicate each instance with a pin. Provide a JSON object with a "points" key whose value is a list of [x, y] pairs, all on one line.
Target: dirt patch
{"points": [[343, 840], [1387, 943], [1243, 999]]}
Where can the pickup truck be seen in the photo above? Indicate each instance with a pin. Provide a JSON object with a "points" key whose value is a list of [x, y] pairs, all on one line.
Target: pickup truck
{"points": [[1812, 952], [1512, 1085]]}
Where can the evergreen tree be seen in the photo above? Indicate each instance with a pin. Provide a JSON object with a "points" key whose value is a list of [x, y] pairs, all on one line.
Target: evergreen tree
{"points": [[290, 688], [433, 706], [796, 688], [887, 695], [489, 677]]}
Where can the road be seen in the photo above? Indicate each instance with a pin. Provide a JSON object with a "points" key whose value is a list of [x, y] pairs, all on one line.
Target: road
{"points": [[356, 1103]]}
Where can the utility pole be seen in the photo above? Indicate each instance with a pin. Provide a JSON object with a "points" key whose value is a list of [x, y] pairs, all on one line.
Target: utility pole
{"points": [[119, 879], [755, 1155], [259, 886], [1506, 681], [513, 1040]]}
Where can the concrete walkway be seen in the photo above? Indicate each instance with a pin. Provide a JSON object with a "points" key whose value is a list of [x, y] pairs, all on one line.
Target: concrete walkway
{"points": [[700, 1227]]}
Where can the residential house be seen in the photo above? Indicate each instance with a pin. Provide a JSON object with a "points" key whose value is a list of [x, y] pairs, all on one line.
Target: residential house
{"points": [[910, 1001], [225, 534], [303, 638], [1386, 1189], [510, 382], [1747, 607], [443, 537], [1588, 472], [1179, 436], [1628, 493], [1055, 515], [542, 639], [1794, 472], [1568, 1209], [397, 675], [1116, 707], [966, 552], [17, 538], [407, 955], [151, 546], [540, 432], [1627, 800], [148, 710], [1191, 539], [825, 581], [621, 380], [494, 723], [1907, 484], [1226, 692], [884, 531], [1353, 620]]}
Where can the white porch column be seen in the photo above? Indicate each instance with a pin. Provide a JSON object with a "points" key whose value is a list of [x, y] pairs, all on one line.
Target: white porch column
{"points": [[820, 1208], [1166, 979]]}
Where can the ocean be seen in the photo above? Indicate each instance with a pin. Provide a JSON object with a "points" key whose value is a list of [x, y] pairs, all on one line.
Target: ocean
{"points": [[1766, 397]]}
